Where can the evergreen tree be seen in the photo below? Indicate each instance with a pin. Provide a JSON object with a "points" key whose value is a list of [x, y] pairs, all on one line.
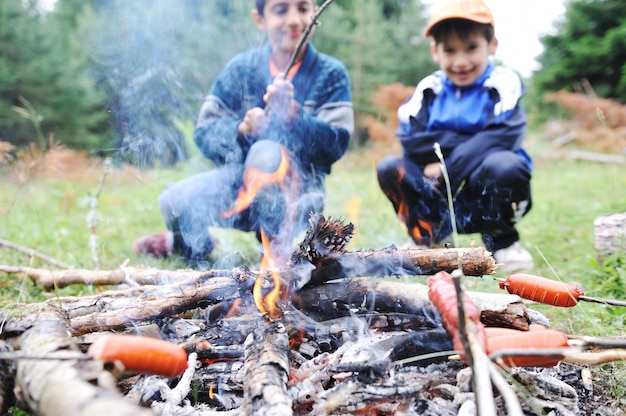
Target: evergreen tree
{"points": [[590, 45], [156, 59], [380, 43], [44, 73]]}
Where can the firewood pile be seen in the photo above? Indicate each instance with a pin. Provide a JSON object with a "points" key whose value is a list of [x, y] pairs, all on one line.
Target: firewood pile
{"points": [[329, 332]]}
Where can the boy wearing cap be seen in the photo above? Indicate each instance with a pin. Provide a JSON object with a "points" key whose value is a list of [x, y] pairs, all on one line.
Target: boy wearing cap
{"points": [[472, 109]]}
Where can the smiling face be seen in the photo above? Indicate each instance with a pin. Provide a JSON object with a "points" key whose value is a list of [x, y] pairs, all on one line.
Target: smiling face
{"points": [[284, 21], [463, 59]]}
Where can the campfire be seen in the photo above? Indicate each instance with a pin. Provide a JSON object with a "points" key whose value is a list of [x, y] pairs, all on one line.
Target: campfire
{"points": [[325, 332]]}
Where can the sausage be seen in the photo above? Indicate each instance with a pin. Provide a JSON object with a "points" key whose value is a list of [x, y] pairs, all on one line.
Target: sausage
{"points": [[141, 354], [538, 339], [542, 290], [442, 294]]}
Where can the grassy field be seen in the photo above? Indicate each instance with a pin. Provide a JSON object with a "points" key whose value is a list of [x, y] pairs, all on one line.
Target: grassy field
{"points": [[49, 213]]}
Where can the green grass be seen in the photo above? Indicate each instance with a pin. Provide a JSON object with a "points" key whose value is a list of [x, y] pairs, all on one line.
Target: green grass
{"points": [[49, 215]]}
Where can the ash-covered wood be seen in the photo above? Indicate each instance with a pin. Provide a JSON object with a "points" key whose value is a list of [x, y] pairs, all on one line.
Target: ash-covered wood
{"points": [[267, 371]]}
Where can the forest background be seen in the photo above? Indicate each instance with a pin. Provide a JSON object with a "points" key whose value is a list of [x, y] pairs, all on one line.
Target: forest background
{"points": [[126, 79]]}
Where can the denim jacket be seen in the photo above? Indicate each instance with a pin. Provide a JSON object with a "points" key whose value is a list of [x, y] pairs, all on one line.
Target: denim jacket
{"points": [[318, 137]]}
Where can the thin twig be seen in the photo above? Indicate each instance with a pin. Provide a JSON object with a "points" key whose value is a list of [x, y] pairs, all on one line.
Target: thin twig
{"points": [[92, 215], [306, 34], [510, 398], [34, 253], [611, 302]]}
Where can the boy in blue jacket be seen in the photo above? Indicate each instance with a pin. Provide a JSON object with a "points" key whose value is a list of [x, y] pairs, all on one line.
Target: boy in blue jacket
{"points": [[472, 109], [254, 119]]}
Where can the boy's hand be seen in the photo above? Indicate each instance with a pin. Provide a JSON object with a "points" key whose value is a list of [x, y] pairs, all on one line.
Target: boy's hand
{"points": [[254, 122], [279, 98], [432, 172]]}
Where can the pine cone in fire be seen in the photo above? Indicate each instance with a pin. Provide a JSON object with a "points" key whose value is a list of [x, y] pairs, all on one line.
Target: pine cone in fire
{"points": [[324, 237]]}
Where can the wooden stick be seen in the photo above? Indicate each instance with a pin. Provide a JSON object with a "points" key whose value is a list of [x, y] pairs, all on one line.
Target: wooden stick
{"points": [[476, 261], [50, 279], [305, 35], [603, 301], [34, 253]]}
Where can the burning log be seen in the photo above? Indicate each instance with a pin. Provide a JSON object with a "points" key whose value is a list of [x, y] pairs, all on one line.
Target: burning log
{"points": [[120, 309], [357, 346], [340, 299], [162, 301], [267, 372], [476, 261]]}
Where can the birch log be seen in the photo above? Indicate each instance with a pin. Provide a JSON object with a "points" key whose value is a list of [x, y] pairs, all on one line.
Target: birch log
{"points": [[267, 372], [610, 233], [65, 387]]}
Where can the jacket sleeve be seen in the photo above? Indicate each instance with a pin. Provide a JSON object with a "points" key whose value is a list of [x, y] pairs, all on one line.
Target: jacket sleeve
{"points": [[322, 136], [471, 150], [417, 142], [216, 128]]}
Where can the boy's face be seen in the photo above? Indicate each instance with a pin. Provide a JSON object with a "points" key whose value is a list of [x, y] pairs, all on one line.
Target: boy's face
{"points": [[284, 21], [463, 60]]}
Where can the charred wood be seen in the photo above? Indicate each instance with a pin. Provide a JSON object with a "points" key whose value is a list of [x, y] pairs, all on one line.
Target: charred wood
{"points": [[7, 379], [267, 371], [162, 301], [476, 261], [365, 295]]}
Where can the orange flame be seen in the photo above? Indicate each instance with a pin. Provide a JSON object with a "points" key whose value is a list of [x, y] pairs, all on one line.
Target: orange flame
{"points": [[418, 232], [254, 180], [211, 392], [268, 304], [421, 233]]}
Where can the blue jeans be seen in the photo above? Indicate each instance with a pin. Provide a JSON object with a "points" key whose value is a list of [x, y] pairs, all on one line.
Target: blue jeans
{"points": [[190, 206], [490, 201]]}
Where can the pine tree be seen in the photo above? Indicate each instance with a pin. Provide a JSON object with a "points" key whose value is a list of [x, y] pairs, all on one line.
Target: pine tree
{"points": [[44, 68], [588, 48]]}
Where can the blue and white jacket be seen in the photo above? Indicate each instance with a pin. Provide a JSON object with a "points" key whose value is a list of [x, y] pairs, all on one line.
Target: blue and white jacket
{"points": [[468, 122], [319, 136]]}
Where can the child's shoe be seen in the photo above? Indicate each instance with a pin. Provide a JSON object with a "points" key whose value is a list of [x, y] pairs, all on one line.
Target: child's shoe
{"points": [[159, 245], [513, 258]]}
